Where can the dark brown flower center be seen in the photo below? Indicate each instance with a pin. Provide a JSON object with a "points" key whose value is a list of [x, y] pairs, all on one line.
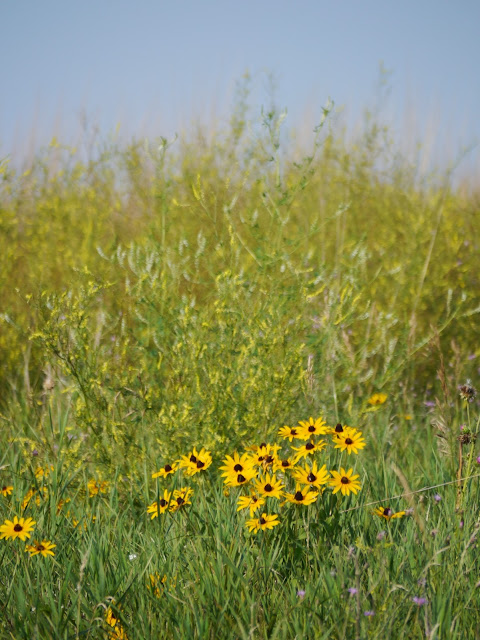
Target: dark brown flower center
{"points": [[268, 488], [180, 501], [269, 459], [311, 428], [293, 432], [345, 480], [285, 463], [261, 458], [168, 468], [262, 521], [338, 427], [298, 496], [18, 527], [193, 458], [311, 477], [238, 468], [241, 478], [163, 502], [348, 441], [200, 464], [40, 547], [309, 446], [387, 512], [264, 444]]}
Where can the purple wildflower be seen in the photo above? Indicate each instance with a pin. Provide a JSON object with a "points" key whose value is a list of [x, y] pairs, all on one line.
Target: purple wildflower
{"points": [[437, 497], [352, 591], [301, 593], [419, 601], [369, 613]]}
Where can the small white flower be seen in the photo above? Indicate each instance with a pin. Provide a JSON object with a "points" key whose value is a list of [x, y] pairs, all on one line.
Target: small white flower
{"points": [[132, 556]]}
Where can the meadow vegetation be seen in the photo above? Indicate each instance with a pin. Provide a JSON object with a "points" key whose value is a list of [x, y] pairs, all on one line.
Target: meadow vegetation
{"points": [[171, 306]]}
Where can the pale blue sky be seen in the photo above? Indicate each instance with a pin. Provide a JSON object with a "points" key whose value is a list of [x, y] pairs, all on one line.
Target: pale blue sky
{"points": [[155, 65]]}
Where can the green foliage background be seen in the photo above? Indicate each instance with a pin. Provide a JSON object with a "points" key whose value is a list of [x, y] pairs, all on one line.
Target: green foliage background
{"points": [[206, 291], [184, 287]]}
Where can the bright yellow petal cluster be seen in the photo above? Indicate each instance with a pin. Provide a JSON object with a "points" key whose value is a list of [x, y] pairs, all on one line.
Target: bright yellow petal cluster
{"points": [[289, 433], [377, 399], [95, 487], [6, 490], [351, 441], [117, 632], [236, 466], [264, 522], [387, 513], [196, 461], [166, 470], [161, 506], [312, 476], [308, 449], [283, 464], [300, 496], [309, 428], [17, 528], [252, 502], [345, 482], [181, 497], [43, 548], [269, 487]]}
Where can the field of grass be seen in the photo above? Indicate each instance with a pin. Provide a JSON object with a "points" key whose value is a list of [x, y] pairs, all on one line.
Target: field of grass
{"points": [[177, 302]]}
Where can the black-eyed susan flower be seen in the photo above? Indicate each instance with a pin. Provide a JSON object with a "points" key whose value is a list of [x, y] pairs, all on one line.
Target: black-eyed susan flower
{"points": [[233, 465], [288, 433], [156, 508], [283, 464], [239, 479], [252, 502], [345, 482], [166, 470], [308, 448], [6, 490], [351, 441], [338, 429], [43, 548], [17, 528], [265, 455], [264, 522], [269, 487], [387, 513], [95, 487], [312, 476], [181, 497], [301, 496], [309, 428], [377, 399], [196, 461]]}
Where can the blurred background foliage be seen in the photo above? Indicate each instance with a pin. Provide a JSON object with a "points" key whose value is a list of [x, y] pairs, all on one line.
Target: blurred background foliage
{"points": [[216, 286]]}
